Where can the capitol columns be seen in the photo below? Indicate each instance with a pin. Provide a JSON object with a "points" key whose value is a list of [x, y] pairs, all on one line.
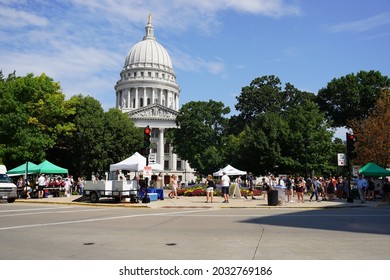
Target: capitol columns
{"points": [[153, 95], [136, 98], [174, 160], [145, 98], [128, 99], [160, 147]]}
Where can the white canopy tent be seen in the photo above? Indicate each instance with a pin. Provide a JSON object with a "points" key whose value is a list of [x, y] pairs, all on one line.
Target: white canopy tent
{"points": [[136, 162], [230, 170]]}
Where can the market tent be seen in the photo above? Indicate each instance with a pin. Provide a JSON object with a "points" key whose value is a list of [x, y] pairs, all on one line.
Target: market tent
{"points": [[21, 169], [230, 170], [47, 167], [136, 162], [374, 170]]}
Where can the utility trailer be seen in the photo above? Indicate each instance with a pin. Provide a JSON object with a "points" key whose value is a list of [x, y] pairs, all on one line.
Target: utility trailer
{"points": [[117, 189]]}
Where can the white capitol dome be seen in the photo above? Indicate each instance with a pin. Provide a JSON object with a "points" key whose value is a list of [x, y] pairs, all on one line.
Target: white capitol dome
{"points": [[149, 53], [147, 77], [148, 93]]}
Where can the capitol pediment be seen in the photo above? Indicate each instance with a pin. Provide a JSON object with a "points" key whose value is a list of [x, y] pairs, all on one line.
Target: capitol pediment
{"points": [[154, 111]]}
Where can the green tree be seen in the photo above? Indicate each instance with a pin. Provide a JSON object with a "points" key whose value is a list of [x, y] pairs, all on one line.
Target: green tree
{"points": [[351, 97], [262, 95], [198, 136], [284, 131], [99, 138], [85, 146], [31, 117], [121, 136]]}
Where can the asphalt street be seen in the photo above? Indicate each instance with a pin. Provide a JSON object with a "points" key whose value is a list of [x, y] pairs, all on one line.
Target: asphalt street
{"points": [[68, 232]]}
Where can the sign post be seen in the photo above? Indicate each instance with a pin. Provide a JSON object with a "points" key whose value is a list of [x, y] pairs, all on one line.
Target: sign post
{"points": [[341, 160]]}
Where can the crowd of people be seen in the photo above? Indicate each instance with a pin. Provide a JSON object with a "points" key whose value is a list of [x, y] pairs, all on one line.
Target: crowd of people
{"points": [[54, 185], [317, 188]]}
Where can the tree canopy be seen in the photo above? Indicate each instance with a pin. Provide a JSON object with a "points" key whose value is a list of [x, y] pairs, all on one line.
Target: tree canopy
{"points": [[32, 117], [351, 97], [373, 133], [198, 137], [37, 123]]}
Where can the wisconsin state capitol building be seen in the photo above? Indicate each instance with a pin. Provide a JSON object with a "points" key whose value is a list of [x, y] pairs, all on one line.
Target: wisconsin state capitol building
{"points": [[148, 93]]}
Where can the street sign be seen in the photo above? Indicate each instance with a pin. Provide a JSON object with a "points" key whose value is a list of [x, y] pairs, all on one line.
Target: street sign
{"points": [[355, 170], [341, 160], [147, 171], [152, 158]]}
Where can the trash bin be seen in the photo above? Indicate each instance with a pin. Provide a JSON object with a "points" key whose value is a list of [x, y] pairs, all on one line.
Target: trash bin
{"points": [[272, 198], [281, 193]]}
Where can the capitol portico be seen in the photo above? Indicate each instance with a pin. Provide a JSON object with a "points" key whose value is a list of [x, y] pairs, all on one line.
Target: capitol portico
{"points": [[147, 91]]}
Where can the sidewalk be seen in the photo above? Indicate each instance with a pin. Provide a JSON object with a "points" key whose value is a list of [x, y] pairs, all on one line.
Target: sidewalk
{"points": [[199, 202]]}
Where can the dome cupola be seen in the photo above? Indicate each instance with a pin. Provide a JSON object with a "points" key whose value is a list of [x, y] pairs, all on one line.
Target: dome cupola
{"points": [[149, 53]]}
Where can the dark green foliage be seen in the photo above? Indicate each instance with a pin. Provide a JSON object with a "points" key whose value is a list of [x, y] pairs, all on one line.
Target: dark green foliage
{"points": [[36, 123], [351, 97]]}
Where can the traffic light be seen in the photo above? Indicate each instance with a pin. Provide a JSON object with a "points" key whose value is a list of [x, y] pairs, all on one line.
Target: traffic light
{"points": [[147, 135], [351, 141]]}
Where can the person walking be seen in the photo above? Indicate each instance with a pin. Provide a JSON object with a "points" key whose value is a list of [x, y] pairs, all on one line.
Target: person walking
{"points": [[316, 185], [371, 189], [386, 190], [173, 185], [300, 189], [250, 186], [225, 180], [289, 188], [265, 187], [81, 185], [41, 185], [159, 181], [210, 186], [362, 186], [239, 182]]}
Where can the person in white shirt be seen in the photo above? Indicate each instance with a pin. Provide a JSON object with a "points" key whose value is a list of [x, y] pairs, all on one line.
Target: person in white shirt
{"points": [[225, 180], [41, 185]]}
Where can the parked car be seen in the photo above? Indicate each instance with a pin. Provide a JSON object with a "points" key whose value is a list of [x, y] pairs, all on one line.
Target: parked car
{"points": [[8, 190]]}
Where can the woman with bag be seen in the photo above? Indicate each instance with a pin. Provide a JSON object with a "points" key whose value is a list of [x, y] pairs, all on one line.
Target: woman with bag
{"points": [[173, 185], [210, 186]]}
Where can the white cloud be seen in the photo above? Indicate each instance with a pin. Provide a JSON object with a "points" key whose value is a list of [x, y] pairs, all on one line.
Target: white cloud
{"points": [[83, 43], [185, 14], [362, 25], [188, 63], [11, 17]]}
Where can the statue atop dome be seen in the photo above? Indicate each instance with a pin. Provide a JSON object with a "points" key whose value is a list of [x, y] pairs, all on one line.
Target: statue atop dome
{"points": [[149, 29]]}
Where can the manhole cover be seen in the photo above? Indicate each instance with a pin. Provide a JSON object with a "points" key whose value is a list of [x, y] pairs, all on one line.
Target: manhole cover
{"points": [[89, 243], [171, 244]]}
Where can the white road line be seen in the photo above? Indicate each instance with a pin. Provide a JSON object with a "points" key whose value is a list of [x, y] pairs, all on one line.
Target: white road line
{"points": [[54, 212], [97, 220], [35, 209]]}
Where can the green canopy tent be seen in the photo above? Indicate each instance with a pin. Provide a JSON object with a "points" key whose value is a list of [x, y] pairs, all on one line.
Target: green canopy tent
{"points": [[21, 169], [374, 170], [47, 167]]}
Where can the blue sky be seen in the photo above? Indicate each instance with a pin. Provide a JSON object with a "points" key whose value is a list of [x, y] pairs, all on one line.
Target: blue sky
{"points": [[217, 47]]}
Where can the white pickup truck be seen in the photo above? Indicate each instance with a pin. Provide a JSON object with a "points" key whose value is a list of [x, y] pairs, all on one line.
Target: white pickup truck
{"points": [[8, 190], [116, 189]]}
